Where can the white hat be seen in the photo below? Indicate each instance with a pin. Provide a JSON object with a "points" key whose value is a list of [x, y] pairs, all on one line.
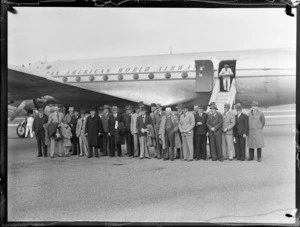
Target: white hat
{"points": [[168, 109]]}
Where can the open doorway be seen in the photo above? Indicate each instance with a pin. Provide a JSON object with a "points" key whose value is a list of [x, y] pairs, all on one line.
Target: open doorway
{"points": [[226, 73]]}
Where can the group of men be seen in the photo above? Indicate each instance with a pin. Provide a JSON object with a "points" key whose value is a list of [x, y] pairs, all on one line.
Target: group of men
{"points": [[182, 135]]}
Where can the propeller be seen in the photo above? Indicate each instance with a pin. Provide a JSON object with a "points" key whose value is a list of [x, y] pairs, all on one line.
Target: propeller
{"points": [[18, 110]]}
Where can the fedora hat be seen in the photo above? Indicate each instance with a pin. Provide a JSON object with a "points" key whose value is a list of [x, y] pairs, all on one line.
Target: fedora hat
{"points": [[141, 103], [213, 105], [227, 105], [77, 110], [254, 103], [179, 106], [200, 107], [153, 105], [114, 108], [106, 107], [93, 109], [158, 105]]}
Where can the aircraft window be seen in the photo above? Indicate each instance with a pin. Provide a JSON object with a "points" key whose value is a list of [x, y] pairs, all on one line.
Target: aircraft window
{"points": [[105, 77], [91, 77], [151, 76], [184, 75], [120, 77], [136, 76], [65, 79], [78, 78], [168, 75]]}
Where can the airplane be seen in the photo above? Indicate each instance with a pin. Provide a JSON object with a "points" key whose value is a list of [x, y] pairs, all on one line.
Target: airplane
{"points": [[265, 75]]}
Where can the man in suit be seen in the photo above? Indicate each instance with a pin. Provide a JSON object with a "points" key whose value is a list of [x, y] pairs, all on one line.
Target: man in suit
{"points": [[100, 137], [80, 133], [39, 132], [129, 137], [178, 140], [153, 110], [68, 117], [55, 117], [186, 127], [93, 129], [134, 131], [194, 138], [114, 133], [156, 124], [256, 137], [105, 122], [142, 121], [74, 139], [167, 133], [214, 124], [200, 133], [240, 131], [227, 136]]}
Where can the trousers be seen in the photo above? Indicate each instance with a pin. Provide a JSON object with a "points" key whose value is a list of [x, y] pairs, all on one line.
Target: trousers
{"points": [[187, 147], [55, 144], [75, 145], [129, 144], [170, 144], [240, 148], [226, 83], [42, 148], [136, 144], [215, 142], [200, 146], [83, 143], [251, 153], [144, 149], [227, 146]]}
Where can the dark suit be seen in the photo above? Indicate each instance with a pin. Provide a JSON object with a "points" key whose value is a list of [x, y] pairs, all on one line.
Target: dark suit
{"points": [[200, 136], [129, 136], [215, 136], [113, 134], [93, 127], [74, 139], [105, 125], [241, 127], [38, 129]]}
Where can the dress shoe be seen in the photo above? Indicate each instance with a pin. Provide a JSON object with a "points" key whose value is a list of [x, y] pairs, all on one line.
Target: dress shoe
{"points": [[259, 160], [88, 156], [51, 156], [81, 155], [74, 154], [230, 159], [67, 155], [249, 159], [97, 156], [221, 160], [172, 159], [141, 158], [214, 159], [39, 156]]}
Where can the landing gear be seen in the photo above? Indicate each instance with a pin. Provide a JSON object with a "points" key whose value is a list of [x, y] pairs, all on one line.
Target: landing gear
{"points": [[21, 129]]}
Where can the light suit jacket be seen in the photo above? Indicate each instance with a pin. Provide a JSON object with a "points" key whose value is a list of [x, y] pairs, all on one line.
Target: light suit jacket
{"points": [[162, 131], [187, 122], [228, 122], [54, 119], [80, 124]]}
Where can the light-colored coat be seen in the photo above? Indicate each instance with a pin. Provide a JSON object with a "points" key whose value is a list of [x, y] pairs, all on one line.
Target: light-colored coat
{"points": [[162, 131], [187, 122], [256, 124], [78, 127], [54, 119], [228, 122], [133, 122]]}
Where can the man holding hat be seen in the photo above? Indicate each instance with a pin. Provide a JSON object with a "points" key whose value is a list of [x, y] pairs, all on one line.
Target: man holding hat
{"points": [[167, 132], [227, 136], [39, 132], [240, 131], [142, 121], [256, 125], [226, 73], [129, 137], [74, 139], [105, 124], [178, 140], [200, 133], [134, 131], [214, 124], [93, 129], [186, 127]]}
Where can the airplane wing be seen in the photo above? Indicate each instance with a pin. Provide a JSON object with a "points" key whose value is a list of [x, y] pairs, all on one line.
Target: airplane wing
{"points": [[24, 85]]}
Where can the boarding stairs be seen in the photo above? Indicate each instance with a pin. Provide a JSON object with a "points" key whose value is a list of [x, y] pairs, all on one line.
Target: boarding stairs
{"points": [[220, 98]]}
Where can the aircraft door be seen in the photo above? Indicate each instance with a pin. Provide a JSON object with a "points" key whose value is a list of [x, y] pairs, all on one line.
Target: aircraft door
{"points": [[204, 75]]}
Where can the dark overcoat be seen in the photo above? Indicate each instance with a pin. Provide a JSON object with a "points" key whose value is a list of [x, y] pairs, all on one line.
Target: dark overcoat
{"points": [[92, 128]]}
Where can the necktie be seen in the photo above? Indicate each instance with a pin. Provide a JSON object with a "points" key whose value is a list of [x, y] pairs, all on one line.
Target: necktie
{"points": [[144, 118]]}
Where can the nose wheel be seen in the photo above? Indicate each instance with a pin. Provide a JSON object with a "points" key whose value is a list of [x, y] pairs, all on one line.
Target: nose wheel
{"points": [[21, 130]]}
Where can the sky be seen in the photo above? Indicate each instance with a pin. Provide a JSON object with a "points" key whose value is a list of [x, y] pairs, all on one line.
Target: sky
{"points": [[81, 33]]}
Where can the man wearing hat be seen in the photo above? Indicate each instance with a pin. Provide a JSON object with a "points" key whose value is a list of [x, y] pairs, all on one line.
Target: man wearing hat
{"points": [[142, 121], [93, 129], [115, 136], [39, 132], [256, 125], [153, 110], [156, 124], [129, 137], [226, 73], [240, 131], [167, 132], [135, 132], [178, 140], [69, 115], [227, 136], [200, 131], [74, 139], [100, 137], [186, 127], [194, 138], [214, 124], [80, 133], [56, 118], [105, 122]]}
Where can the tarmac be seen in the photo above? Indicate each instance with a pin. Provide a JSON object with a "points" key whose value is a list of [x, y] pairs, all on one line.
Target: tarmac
{"points": [[150, 190]]}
